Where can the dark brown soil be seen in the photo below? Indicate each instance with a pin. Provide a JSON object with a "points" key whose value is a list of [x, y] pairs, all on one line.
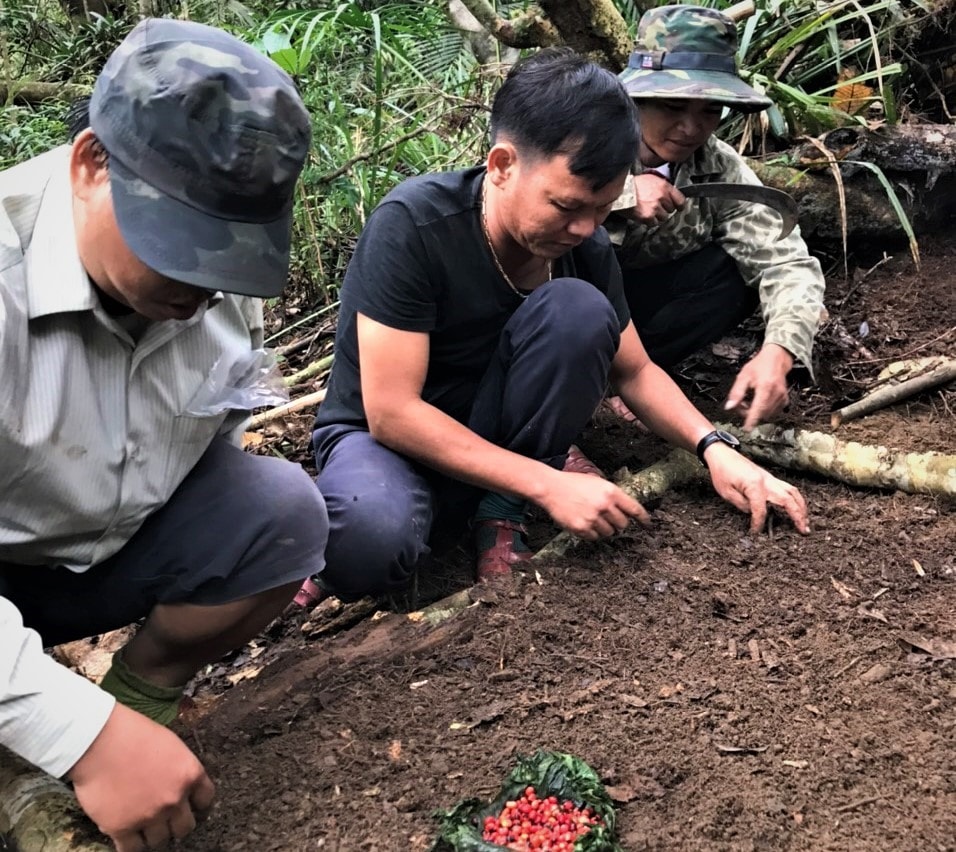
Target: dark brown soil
{"points": [[735, 692]]}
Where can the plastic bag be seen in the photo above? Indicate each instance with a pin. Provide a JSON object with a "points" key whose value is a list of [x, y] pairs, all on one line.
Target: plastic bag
{"points": [[240, 384], [551, 774]]}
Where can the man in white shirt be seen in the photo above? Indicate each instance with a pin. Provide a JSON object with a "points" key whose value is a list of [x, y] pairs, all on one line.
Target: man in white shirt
{"points": [[132, 267]]}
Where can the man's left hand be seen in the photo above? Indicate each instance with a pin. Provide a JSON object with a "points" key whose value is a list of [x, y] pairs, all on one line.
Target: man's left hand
{"points": [[751, 489], [760, 390]]}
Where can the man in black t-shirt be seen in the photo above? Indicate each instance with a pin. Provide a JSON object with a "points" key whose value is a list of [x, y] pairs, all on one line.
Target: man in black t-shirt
{"points": [[482, 318]]}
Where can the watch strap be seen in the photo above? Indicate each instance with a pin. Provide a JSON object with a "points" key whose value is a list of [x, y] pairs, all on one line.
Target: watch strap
{"points": [[715, 437]]}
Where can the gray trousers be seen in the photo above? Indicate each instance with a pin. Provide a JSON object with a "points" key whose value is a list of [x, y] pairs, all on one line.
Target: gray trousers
{"points": [[545, 380], [238, 525]]}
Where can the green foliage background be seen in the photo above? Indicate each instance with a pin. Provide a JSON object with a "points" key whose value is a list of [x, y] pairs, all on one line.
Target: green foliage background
{"points": [[394, 90]]}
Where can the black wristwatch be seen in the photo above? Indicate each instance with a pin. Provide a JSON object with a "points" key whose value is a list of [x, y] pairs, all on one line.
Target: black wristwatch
{"points": [[717, 436]]}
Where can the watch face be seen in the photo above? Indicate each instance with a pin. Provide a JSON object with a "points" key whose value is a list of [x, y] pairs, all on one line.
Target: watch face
{"points": [[727, 438]]}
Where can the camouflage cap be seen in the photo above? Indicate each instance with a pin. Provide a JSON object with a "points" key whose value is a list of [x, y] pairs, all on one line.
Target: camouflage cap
{"points": [[688, 52], [206, 138]]}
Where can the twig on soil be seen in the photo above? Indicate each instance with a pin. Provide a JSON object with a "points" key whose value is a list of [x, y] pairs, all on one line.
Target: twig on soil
{"points": [[943, 372], [847, 667], [289, 408], [297, 345], [862, 278], [913, 351], [859, 803]]}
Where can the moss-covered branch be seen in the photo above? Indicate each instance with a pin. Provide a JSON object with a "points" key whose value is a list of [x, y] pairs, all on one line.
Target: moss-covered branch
{"points": [[529, 29]]}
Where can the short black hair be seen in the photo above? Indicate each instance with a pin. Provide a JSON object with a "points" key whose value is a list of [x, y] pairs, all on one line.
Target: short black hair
{"points": [[78, 116], [77, 120], [558, 102]]}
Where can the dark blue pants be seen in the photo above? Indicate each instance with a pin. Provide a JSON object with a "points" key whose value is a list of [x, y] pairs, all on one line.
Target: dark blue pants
{"points": [[684, 304], [543, 383]]}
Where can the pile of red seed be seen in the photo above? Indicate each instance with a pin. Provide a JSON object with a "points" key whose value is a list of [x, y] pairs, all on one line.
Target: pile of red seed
{"points": [[531, 824]]}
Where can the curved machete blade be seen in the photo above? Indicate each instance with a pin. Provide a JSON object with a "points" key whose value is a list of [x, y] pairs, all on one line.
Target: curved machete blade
{"points": [[775, 198]]}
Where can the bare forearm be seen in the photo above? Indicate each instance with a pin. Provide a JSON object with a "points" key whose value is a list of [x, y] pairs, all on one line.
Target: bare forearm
{"points": [[428, 435], [654, 397]]}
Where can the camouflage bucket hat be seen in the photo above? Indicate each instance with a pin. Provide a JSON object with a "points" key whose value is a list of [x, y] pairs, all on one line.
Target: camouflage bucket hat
{"points": [[688, 52], [206, 138]]}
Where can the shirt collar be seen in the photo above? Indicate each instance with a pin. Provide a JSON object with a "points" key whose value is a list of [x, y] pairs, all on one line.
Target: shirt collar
{"points": [[56, 279]]}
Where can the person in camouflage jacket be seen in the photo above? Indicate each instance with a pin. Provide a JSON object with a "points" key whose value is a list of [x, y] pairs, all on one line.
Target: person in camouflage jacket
{"points": [[694, 269]]}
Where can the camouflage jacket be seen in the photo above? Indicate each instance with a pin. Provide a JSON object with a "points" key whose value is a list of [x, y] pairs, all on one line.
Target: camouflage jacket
{"points": [[790, 282]]}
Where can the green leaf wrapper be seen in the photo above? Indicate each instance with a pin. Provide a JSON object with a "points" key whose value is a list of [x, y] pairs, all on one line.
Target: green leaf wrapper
{"points": [[551, 774]]}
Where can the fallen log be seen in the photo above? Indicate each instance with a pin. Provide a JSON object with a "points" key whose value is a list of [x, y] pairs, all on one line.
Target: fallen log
{"points": [[38, 813], [37, 92], [928, 377], [924, 148], [849, 461]]}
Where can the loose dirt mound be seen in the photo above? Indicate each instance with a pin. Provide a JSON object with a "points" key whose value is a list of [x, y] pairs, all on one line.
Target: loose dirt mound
{"points": [[735, 692]]}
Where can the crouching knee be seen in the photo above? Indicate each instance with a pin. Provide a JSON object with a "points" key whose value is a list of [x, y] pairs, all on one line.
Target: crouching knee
{"points": [[374, 545]]}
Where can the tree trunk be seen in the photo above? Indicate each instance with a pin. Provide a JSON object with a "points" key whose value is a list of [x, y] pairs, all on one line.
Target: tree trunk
{"points": [[844, 461], [527, 30], [34, 93], [592, 27], [851, 462], [483, 45]]}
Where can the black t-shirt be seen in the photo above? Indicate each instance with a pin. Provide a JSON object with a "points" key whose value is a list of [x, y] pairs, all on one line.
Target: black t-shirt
{"points": [[422, 264]]}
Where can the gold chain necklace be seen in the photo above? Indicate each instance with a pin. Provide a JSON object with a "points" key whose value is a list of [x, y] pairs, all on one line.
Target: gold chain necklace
{"points": [[494, 255]]}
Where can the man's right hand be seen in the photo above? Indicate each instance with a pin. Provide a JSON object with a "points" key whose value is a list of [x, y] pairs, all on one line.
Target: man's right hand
{"points": [[656, 199], [139, 783], [590, 507]]}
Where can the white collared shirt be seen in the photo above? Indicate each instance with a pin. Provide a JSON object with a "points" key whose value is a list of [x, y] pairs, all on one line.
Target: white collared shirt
{"points": [[94, 435]]}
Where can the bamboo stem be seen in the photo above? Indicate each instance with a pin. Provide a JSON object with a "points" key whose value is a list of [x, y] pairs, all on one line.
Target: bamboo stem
{"points": [[885, 396], [38, 813], [741, 10], [851, 462], [289, 408], [677, 468], [310, 371]]}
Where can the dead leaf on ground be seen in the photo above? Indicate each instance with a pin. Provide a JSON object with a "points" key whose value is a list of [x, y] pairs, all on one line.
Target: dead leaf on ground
{"points": [[244, 674], [938, 649], [590, 690], [843, 590], [726, 351], [635, 787], [252, 440], [871, 612]]}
